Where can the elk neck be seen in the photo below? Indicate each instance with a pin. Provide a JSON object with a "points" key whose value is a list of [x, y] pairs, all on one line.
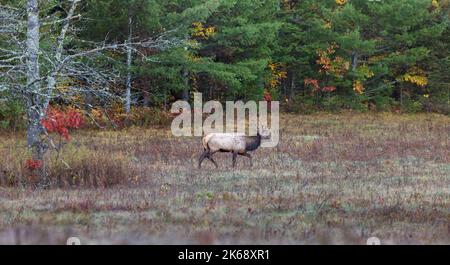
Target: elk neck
{"points": [[252, 142]]}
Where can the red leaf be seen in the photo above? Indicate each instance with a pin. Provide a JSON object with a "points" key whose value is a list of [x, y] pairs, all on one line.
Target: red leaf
{"points": [[329, 88], [60, 122], [267, 96], [32, 164]]}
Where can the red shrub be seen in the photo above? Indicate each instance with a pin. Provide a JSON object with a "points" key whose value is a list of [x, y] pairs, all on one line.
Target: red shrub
{"points": [[316, 87], [32, 164], [267, 96], [313, 82], [329, 88], [60, 122]]}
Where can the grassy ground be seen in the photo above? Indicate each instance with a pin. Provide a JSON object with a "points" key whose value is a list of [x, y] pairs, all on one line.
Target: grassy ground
{"points": [[332, 179]]}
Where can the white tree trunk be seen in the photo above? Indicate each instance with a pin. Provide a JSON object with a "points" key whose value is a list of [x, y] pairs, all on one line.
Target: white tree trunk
{"points": [[129, 51], [51, 78], [33, 79], [32, 96]]}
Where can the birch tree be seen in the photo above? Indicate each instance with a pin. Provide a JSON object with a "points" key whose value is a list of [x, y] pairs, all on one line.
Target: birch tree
{"points": [[31, 71], [129, 54]]}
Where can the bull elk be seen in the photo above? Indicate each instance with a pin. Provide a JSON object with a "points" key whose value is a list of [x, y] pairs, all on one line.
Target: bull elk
{"points": [[235, 143]]}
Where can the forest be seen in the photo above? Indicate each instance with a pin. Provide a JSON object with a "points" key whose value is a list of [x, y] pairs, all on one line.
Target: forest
{"points": [[310, 55]]}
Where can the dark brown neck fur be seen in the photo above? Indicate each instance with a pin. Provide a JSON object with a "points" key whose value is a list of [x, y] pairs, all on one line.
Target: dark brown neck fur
{"points": [[252, 142]]}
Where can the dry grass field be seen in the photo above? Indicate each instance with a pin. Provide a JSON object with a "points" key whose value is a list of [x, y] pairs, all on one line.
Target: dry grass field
{"points": [[333, 179]]}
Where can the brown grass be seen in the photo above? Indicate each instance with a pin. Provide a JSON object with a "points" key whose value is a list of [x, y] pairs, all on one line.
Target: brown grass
{"points": [[332, 179]]}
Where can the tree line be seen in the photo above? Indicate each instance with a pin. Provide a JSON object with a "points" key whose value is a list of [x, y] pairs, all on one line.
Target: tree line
{"points": [[310, 55]]}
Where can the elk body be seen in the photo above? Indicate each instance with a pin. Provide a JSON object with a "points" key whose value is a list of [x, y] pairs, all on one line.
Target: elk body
{"points": [[235, 143]]}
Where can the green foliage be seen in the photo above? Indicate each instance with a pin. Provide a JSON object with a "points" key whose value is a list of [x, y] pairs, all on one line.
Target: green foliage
{"points": [[411, 106], [12, 115], [382, 103], [389, 45], [377, 55]]}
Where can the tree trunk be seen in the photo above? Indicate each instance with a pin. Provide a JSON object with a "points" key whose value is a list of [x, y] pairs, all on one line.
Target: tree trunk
{"points": [[51, 77], [292, 90], [34, 131], [165, 99], [33, 76], [401, 97], [145, 98], [88, 101], [354, 60], [33, 100], [185, 95], [129, 51]]}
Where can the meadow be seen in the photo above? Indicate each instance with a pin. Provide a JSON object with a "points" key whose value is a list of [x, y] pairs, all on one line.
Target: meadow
{"points": [[333, 179]]}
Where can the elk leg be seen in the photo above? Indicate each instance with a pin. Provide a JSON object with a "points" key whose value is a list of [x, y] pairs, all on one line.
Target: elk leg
{"points": [[234, 158], [212, 160], [202, 157], [249, 156]]}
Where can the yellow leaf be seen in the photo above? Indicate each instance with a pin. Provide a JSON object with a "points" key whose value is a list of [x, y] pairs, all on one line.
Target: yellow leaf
{"points": [[358, 87], [435, 4], [416, 79]]}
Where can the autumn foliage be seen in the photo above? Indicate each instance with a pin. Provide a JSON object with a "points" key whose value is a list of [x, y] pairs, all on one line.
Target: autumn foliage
{"points": [[33, 164], [316, 87], [337, 67], [60, 121], [277, 74], [201, 31], [267, 96]]}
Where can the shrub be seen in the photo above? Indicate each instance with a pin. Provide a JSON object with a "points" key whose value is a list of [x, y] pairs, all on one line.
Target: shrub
{"points": [[333, 104], [411, 106], [60, 121], [382, 103], [79, 166], [337, 103], [116, 118], [144, 116], [438, 104], [92, 172], [301, 105]]}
